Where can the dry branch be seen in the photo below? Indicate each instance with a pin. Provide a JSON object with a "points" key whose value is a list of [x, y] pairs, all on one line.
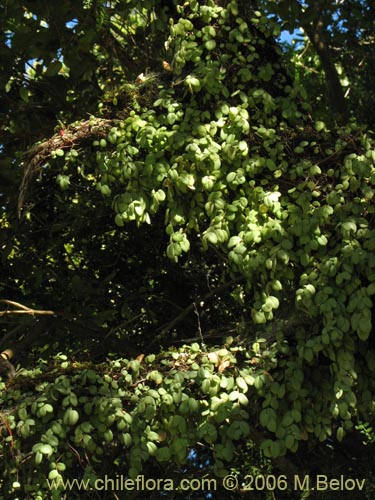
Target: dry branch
{"points": [[22, 309], [72, 137]]}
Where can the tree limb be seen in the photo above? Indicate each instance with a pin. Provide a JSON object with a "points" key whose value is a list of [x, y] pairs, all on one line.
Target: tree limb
{"points": [[73, 136], [22, 309]]}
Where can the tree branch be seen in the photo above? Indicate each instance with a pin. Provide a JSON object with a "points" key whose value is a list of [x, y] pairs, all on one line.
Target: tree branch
{"points": [[316, 31], [73, 136], [22, 309]]}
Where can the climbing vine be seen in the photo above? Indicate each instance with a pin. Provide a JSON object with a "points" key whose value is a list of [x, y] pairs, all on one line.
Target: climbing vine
{"points": [[219, 151]]}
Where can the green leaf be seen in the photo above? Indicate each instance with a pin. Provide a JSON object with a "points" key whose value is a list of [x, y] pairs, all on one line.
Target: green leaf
{"points": [[241, 384], [268, 419], [163, 454], [362, 324], [210, 44], [259, 317], [234, 240], [63, 181], [53, 68], [193, 83], [71, 417], [46, 449], [211, 237], [24, 94], [340, 434], [53, 474]]}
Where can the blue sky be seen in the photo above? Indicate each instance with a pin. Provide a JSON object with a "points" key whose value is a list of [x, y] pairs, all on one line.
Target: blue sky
{"points": [[285, 36]]}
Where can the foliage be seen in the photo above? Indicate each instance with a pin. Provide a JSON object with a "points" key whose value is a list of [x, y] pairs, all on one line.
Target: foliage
{"points": [[197, 201], [130, 411], [345, 29]]}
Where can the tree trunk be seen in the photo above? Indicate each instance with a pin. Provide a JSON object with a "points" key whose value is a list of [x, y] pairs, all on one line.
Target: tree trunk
{"points": [[316, 30]]}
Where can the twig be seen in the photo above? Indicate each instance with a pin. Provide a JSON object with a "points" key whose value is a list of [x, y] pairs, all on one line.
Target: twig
{"points": [[165, 329], [22, 309], [123, 325], [199, 324], [16, 304]]}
